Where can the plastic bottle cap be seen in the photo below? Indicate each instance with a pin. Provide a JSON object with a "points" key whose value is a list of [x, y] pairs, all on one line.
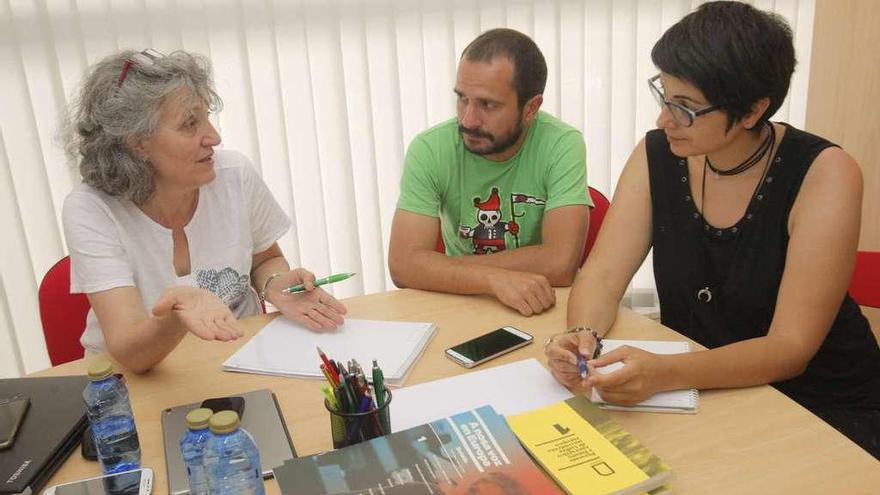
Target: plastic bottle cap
{"points": [[100, 369], [197, 419], [224, 422]]}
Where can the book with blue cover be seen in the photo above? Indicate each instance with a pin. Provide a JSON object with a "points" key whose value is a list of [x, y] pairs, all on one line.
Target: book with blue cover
{"points": [[469, 452]]}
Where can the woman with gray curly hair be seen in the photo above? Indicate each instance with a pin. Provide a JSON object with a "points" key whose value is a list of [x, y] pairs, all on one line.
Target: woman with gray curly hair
{"points": [[163, 221]]}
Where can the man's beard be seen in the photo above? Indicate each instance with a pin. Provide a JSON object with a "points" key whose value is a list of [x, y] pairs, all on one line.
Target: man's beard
{"points": [[497, 145]]}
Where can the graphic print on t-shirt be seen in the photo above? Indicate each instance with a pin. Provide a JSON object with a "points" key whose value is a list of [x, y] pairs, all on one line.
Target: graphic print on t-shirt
{"points": [[488, 235], [230, 286]]}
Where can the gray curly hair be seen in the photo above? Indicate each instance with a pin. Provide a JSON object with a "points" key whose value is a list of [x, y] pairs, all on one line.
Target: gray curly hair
{"points": [[108, 116]]}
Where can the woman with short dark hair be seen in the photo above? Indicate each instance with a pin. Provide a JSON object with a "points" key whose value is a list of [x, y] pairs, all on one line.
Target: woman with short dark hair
{"points": [[754, 227], [167, 235]]}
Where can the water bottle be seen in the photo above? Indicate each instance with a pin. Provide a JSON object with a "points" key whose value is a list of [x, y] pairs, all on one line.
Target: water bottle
{"points": [[192, 449], [232, 461], [112, 421]]}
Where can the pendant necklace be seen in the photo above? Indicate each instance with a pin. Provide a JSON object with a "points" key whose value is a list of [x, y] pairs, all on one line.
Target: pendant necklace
{"points": [[704, 294]]}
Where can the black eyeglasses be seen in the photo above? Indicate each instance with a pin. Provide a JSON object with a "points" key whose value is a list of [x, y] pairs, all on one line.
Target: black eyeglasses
{"points": [[144, 58], [682, 114]]}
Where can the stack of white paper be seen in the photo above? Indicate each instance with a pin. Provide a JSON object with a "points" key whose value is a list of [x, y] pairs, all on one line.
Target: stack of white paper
{"points": [[510, 389], [289, 349]]}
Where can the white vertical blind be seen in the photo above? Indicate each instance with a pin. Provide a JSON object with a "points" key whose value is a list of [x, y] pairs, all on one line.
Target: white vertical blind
{"points": [[324, 97]]}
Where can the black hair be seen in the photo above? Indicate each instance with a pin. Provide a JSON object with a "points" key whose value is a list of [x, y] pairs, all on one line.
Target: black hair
{"points": [[529, 66], [732, 52]]}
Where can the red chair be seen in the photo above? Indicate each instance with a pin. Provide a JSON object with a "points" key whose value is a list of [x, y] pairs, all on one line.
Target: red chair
{"points": [[865, 284], [440, 247], [597, 214], [63, 314]]}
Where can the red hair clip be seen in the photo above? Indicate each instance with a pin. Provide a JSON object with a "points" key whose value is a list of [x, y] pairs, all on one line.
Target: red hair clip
{"points": [[124, 72], [146, 58]]}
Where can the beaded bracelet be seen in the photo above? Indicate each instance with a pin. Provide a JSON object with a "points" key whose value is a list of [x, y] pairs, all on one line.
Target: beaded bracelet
{"points": [[577, 329], [581, 328]]}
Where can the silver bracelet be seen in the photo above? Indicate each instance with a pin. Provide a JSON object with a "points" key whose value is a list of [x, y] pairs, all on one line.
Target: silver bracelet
{"points": [[266, 284]]}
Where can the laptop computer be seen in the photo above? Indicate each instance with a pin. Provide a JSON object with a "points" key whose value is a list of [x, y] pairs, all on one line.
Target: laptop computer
{"points": [[51, 430], [262, 418]]}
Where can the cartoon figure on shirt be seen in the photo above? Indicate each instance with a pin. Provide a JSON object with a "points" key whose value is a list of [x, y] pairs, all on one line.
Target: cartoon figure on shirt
{"points": [[488, 235]]}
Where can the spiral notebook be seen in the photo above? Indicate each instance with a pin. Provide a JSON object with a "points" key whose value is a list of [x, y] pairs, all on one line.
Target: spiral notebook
{"points": [[674, 401]]}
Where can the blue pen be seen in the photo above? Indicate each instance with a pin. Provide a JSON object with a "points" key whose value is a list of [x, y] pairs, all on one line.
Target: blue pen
{"points": [[365, 404], [355, 424], [582, 366], [582, 361]]}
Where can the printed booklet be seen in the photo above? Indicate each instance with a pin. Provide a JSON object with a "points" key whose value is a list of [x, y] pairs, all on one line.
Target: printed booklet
{"points": [[469, 452], [587, 452]]}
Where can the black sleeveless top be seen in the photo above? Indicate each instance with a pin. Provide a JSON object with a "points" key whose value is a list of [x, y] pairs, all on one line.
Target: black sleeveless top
{"points": [[742, 267]]}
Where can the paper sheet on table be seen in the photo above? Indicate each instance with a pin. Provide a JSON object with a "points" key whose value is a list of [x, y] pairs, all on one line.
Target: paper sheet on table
{"points": [[511, 389], [287, 348]]}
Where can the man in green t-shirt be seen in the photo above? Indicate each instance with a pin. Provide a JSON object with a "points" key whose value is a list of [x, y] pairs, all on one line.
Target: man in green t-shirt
{"points": [[502, 179]]}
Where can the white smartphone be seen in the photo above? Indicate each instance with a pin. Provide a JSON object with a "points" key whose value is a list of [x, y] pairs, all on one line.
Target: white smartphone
{"points": [[487, 346], [136, 482]]}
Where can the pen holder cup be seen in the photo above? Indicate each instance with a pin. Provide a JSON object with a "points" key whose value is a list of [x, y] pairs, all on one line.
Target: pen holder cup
{"points": [[351, 428]]}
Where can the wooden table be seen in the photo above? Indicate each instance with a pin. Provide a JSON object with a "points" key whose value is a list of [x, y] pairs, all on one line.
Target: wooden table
{"points": [[752, 440]]}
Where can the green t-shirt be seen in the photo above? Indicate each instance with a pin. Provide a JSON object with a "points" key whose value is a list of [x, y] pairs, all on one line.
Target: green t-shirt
{"points": [[476, 198]]}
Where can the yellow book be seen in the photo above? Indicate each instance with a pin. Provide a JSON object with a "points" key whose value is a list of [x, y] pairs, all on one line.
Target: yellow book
{"points": [[586, 452]]}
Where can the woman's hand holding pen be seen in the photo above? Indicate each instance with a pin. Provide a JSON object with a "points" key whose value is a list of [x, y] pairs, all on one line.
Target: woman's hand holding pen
{"points": [[640, 377], [314, 308], [562, 357]]}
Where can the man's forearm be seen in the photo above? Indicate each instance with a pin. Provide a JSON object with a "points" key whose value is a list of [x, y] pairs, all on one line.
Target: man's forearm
{"points": [[435, 271], [555, 263]]}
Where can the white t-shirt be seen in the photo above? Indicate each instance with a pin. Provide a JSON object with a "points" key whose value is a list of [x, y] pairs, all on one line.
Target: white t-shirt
{"points": [[112, 243]]}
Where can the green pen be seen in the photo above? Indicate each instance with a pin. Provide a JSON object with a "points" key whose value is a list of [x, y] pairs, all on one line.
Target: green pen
{"points": [[381, 397], [339, 277], [378, 384]]}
